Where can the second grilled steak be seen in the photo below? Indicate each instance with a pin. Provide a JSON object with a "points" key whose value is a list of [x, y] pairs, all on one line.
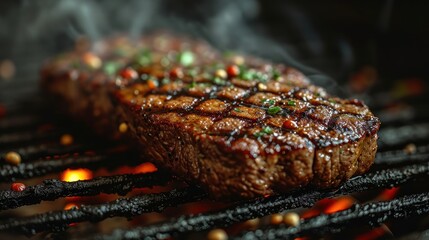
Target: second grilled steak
{"points": [[241, 128]]}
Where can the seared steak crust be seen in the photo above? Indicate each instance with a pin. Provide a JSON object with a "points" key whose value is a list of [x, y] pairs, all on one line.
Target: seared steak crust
{"points": [[239, 129]]}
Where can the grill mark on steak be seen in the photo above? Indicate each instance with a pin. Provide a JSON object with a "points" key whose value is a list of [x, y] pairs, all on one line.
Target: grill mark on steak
{"points": [[217, 136], [299, 116]]}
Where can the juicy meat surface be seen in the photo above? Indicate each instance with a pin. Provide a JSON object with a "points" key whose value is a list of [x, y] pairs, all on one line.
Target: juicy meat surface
{"points": [[239, 127]]}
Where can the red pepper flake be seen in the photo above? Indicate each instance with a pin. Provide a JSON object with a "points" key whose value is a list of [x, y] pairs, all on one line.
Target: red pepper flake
{"points": [[18, 187], [128, 73], [289, 124], [176, 72], [233, 70]]}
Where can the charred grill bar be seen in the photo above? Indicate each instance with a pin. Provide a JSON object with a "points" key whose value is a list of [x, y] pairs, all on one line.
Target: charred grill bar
{"points": [[43, 166], [125, 207], [52, 189]]}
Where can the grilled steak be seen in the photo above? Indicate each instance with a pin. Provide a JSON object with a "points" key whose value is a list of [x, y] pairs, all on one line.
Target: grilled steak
{"points": [[238, 127]]}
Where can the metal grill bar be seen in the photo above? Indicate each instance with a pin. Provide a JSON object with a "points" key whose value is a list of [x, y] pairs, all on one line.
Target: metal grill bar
{"points": [[400, 156], [123, 207], [11, 124], [43, 167], [265, 206], [371, 213], [20, 138], [394, 136], [34, 152], [52, 189]]}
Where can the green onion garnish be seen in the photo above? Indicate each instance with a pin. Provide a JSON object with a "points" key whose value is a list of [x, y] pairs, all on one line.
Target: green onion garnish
{"points": [[219, 81], [144, 57], [276, 74], [268, 101], [110, 68], [273, 110], [186, 58], [264, 131]]}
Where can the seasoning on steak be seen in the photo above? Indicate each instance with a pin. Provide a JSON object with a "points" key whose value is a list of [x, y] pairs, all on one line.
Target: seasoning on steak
{"points": [[238, 128]]}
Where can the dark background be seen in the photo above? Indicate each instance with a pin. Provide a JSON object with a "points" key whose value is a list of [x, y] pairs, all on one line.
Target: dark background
{"points": [[338, 38]]}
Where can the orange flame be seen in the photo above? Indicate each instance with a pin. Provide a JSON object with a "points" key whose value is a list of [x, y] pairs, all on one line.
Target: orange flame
{"points": [[74, 175]]}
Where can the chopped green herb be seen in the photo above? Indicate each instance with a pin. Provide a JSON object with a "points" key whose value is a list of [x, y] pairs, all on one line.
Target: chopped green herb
{"points": [[144, 57], [273, 110], [185, 58], [264, 131], [276, 74], [291, 103], [192, 84], [219, 81], [165, 81], [238, 110], [268, 101], [110, 68], [247, 75], [259, 134], [267, 130], [260, 76]]}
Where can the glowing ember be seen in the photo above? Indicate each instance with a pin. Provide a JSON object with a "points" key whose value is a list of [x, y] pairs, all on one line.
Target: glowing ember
{"points": [[310, 213], [146, 167], [376, 233], [70, 175], [339, 204], [66, 139], [69, 206], [388, 194]]}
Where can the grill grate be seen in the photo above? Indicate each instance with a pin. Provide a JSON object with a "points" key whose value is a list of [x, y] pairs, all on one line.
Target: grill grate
{"points": [[393, 167], [372, 214], [265, 206]]}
